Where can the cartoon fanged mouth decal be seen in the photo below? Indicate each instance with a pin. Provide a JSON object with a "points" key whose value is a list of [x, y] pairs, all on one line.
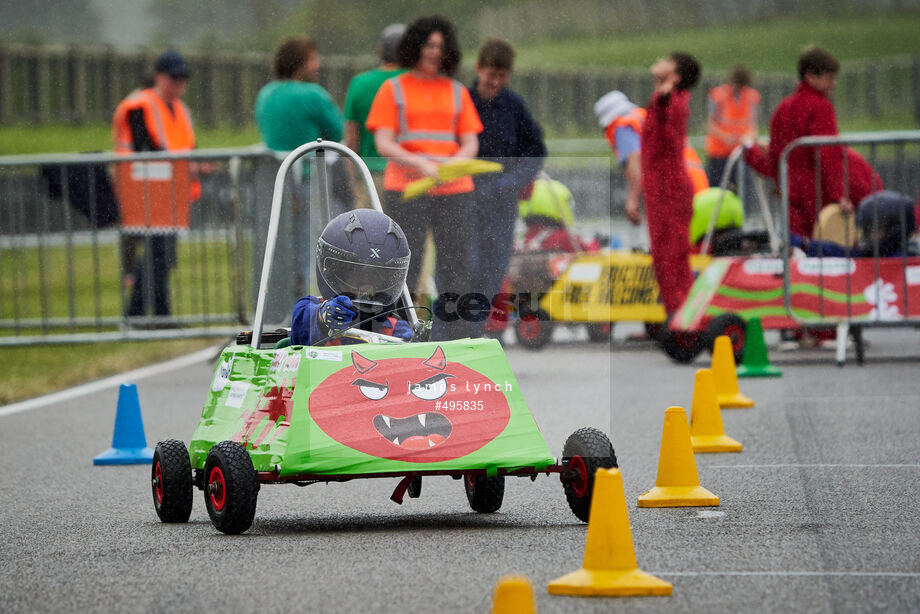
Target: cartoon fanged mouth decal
{"points": [[418, 432], [420, 410]]}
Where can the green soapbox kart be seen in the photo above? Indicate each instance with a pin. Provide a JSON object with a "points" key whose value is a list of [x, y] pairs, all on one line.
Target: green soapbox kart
{"points": [[379, 409]]}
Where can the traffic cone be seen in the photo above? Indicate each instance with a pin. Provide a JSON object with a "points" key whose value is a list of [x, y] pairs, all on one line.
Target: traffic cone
{"points": [[677, 484], [723, 368], [706, 431], [754, 360], [129, 445], [514, 595], [609, 567]]}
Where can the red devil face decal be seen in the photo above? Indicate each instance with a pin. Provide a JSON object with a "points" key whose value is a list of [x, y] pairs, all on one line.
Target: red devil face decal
{"points": [[409, 408]]}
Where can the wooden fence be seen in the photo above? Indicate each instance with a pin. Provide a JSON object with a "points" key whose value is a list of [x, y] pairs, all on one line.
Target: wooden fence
{"points": [[79, 85]]}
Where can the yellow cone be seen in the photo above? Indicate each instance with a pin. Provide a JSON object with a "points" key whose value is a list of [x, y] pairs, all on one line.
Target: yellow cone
{"points": [[706, 431], [677, 484], [609, 567], [514, 595], [723, 368]]}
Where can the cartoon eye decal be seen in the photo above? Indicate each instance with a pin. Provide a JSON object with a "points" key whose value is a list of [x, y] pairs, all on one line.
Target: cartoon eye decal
{"points": [[430, 389], [372, 390]]}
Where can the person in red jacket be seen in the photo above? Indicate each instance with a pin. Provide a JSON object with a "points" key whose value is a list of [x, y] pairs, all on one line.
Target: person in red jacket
{"points": [[668, 188], [807, 112]]}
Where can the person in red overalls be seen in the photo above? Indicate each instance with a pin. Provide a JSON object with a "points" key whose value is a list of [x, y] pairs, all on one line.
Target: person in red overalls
{"points": [[668, 188]]}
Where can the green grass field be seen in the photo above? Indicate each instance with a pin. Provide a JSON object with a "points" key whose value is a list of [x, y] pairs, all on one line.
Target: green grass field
{"points": [[771, 46]]}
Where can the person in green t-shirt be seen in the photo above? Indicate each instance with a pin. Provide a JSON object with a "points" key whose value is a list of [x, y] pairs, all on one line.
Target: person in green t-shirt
{"points": [[292, 110], [358, 99]]}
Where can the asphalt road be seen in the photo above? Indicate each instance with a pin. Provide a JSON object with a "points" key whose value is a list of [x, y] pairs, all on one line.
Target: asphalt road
{"points": [[819, 512]]}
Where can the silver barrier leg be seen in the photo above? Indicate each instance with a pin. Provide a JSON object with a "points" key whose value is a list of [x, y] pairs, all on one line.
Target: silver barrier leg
{"points": [[843, 331]]}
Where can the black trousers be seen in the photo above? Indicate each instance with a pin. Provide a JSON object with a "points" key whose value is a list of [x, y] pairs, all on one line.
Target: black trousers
{"points": [[450, 219], [151, 276]]}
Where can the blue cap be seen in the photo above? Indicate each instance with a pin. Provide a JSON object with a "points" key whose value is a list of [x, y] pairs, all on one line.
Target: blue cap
{"points": [[173, 64]]}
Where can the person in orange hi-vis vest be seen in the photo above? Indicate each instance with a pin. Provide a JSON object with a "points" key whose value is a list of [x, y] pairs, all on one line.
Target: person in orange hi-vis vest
{"points": [[154, 195], [733, 117], [420, 119], [622, 122]]}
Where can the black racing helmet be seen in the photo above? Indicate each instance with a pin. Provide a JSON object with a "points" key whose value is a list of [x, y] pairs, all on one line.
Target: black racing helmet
{"points": [[880, 217], [364, 255]]}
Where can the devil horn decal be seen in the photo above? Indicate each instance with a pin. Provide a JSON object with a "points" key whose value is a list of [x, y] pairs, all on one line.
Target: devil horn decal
{"points": [[437, 359], [362, 364]]}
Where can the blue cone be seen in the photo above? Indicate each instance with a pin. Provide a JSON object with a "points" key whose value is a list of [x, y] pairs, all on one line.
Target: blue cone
{"points": [[129, 445]]}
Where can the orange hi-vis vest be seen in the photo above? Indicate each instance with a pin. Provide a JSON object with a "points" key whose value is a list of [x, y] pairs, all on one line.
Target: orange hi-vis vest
{"points": [[427, 116], [734, 115], [635, 119], [154, 195]]}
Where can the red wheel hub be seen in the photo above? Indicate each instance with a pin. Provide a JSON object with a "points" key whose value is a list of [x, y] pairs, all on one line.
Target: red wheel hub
{"points": [[529, 327], [580, 483], [158, 482], [736, 334], [217, 488]]}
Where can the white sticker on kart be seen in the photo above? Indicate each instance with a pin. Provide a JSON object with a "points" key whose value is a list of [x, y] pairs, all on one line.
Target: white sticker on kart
{"points": [[278, 359], [237, 394], [292, 363], [222, 377], [330, 355], [763, 266], [828, 267], [584, 271]]}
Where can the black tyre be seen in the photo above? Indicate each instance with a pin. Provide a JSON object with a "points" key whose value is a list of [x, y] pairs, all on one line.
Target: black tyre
{"points": [[585, 451], [599, 332], [731, 325], [680, 346], [231, 488], [653, 330], [534, 329], [484, 493], [171, 481]]}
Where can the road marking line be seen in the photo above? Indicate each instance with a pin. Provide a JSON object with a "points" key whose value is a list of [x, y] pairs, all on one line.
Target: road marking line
{"points": [[861, 574], [835, 466], [709, 514], [109, 382]]}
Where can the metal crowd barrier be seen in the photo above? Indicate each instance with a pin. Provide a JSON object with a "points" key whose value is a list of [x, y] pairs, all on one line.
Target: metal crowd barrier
{"points": [[86, 241], [861, 284]]}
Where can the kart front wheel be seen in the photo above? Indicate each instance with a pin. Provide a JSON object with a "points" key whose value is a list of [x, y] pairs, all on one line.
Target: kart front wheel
{"points": [[231, 488], [484, 493], [534, 329], [171, 481], [599, 332], [731, 325], [681, 346], [585, 451]]}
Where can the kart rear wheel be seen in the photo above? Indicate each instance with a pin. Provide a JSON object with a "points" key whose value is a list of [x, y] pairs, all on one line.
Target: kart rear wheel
{"points": [[731, 325], [680, 346], [231, 488], [599, 332], [534, 329], [484, 493], [171, 481], [585, 451]]}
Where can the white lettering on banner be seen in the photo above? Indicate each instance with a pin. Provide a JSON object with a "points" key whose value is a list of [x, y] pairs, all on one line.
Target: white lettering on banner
{"points": [[324, 355], [222, 377], [829, 267], [884, 299], [237, 394], [151, 171], [584, 271], [913, 276], [763, 266]]}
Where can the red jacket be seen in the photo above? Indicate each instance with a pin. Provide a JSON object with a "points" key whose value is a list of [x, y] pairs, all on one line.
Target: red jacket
{"points": [[805, 113]]}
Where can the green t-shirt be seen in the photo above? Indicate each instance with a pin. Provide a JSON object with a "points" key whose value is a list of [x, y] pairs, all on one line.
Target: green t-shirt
{"points": [[290, 113], [358, 100]]}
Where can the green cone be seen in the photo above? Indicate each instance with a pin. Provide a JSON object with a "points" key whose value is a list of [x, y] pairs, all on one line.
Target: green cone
{"points": [[754, 361]]}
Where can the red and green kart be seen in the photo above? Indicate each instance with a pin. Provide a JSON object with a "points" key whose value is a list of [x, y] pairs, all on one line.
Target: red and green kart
{"points": [[304, 415]]}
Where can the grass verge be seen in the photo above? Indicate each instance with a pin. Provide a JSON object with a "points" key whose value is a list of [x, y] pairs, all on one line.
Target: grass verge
{"points": [[36, 370]]}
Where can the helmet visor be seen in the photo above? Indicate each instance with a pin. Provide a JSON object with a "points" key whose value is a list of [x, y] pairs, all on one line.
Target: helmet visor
{"points": [[370, 287]]}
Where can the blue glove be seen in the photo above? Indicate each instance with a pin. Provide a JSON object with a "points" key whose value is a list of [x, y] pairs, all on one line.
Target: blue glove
{"points": [[402, 330], [337, 314]]}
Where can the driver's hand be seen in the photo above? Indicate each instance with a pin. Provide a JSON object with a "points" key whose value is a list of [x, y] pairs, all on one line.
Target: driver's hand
{"points": [[337, 314], [402, 330]]}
